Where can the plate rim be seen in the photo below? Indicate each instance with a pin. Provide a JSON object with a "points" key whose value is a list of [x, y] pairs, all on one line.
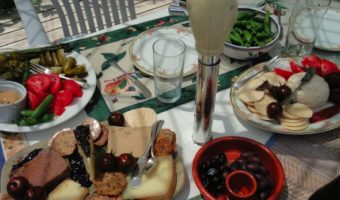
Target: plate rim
{"points": [[142, 68], [10, 127], [240, 114]]}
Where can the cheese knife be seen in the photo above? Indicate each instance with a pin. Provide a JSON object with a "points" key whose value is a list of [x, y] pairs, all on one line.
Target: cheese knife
{"points": [[136, 174], [144, 90]]}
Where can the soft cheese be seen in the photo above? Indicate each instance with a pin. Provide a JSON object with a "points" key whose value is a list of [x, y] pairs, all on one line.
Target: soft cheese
{"points": [[128, 140], [68, 190], [159, 184]]}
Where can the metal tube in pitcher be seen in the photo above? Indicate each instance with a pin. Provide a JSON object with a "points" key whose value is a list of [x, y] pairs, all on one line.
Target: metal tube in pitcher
{"points": [[206, 87]]}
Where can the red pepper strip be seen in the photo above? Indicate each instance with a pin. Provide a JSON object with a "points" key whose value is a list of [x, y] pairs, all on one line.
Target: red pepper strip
{"points": [[325, 113]]}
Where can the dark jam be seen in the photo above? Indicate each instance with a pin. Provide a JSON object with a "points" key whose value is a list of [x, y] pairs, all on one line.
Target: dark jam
{"points": [[29, 157], [82, 133], [78, 170]]}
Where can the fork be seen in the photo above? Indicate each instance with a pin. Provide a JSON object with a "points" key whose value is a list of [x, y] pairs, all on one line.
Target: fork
{"points": [[36, 68], [265, 68]]}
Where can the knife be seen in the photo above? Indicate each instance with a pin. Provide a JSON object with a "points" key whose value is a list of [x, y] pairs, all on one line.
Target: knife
{"points": [[138, 171], [144, 90]]}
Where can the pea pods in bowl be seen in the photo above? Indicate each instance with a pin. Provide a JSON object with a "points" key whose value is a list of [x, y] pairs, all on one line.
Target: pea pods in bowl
{"points": [[254, 33]]}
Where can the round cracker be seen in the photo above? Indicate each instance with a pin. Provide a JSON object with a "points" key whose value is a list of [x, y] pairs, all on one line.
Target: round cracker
{"points": [[294, 124], [294, 128], [299, 110], [288, 115], [261, 106], [251, 95], [284, 119], [252, 84], [262, 117], [274, 79], [252, 109]]}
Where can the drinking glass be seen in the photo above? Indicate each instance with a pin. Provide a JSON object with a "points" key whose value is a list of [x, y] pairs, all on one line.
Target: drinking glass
{"points": [[304, 23], [168, 61]]}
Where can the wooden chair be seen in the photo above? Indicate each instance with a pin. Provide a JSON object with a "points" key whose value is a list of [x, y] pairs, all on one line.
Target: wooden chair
{"points": [[87, 16]]}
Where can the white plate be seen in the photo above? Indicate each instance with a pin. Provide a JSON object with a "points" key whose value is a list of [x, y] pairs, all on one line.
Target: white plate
{"points": [[328, 36], [74, 108], [242, 111], [141, 52]]}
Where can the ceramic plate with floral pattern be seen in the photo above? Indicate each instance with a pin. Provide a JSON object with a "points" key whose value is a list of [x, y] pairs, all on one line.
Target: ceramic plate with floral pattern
{"points": [[251, 112], [141, 48]]}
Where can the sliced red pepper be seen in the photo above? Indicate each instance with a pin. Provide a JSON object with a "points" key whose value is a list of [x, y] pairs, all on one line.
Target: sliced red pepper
{"points": [[33, 100], [284, 73], [325, 113], [57, 108], [55, 83], [328, 67], [296, 68], [311, 61], [64, 97], [72, 86], [39, 81]]}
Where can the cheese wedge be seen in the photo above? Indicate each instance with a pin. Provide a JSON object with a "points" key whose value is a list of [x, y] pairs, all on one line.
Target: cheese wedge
{"points": [[140, 117], [159, 184], [128, 140], [68, 190]]}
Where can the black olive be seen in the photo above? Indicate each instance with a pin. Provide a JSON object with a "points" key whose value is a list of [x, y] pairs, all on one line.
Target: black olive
{"points": [[205, 183], [248, 153], [212, 172], [253, 159], [263, 170], [222, 159], [203, 167], [253, 167]]}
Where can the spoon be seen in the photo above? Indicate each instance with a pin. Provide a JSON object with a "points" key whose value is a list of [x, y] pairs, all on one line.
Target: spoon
{"points": [[151, 162]]}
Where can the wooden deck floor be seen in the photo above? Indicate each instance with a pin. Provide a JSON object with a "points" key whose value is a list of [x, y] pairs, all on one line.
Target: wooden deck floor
{"points": [[12, 33]]}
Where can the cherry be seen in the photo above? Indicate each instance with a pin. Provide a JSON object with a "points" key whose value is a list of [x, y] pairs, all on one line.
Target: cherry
{"points": [[274, 110], [116, 119], [17, 186], [108, 163], [283, 91], [35, 193], [126, 162]]}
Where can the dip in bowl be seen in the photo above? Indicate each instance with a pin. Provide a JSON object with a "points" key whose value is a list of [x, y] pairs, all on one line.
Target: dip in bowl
{"points": [[12, 100]]}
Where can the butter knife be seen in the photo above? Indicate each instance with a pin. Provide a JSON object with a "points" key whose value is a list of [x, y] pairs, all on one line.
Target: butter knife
{"points": [[141, 162], [145, 91]]}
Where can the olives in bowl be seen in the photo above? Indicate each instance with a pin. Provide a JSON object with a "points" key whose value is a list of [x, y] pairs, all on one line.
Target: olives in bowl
{"points": [[218, 158], [254, 33]]}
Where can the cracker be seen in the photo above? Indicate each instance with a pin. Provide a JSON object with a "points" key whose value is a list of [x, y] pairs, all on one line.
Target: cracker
{"points": [[299, 110], [252, 84], [251, 95], [294, 128], [252, 109], [294, 124], [274, 79], [262, 117], [284, 119], [288, 115]]}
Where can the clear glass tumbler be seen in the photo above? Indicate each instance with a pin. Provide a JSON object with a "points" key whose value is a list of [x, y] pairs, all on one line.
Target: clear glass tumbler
{"points": [[304, 23], [168, 59]]}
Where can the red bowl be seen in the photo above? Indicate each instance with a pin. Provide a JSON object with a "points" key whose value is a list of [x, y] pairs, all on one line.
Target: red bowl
{"points": [[232, 146]]}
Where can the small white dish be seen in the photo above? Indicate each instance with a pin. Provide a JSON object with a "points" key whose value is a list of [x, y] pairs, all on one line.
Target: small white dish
{"points": [[11, 111], [141, 48]]}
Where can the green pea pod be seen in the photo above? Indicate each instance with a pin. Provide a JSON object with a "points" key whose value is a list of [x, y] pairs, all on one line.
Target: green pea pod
{"points": [[257, 42], [240, 31], [40, 110], [47, 117], [25, 76], [241, 24], [245, 15], [264, 35], [22, 122], [266, 22], [247, 36], [26, 113], [29, 121], [236, 38]]}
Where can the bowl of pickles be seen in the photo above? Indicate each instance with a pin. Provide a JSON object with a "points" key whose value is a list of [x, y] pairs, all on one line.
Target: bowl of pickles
{"points": [[254, 33]]}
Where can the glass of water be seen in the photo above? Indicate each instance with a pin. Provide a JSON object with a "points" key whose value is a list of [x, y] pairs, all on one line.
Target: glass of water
{"points": [[168, 61], [304, 23]]}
